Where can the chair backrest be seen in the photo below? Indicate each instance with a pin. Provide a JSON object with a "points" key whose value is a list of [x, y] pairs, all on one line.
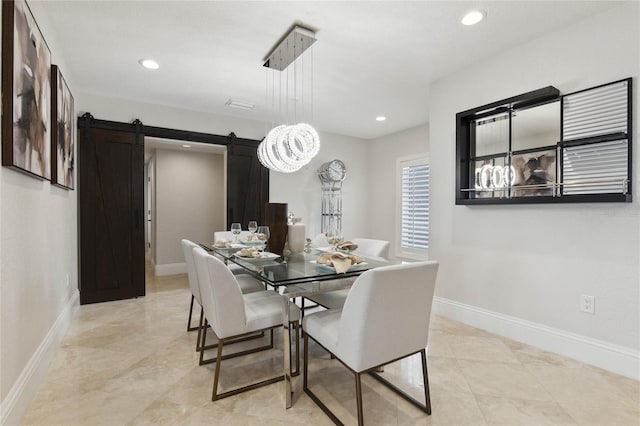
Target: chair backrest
{"points": [[222, 298], [372, 248], [227, 235], [386, 314], [194, 286], [319, 240]]}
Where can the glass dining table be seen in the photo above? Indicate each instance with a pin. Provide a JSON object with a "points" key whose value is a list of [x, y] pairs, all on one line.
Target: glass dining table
{"points": [[293, 276]]}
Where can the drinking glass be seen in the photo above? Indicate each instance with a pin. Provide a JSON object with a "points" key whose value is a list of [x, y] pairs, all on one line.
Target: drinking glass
{"points": [[334, 238], [329, 235], [263, 235], [253, 227], [235, 230]]}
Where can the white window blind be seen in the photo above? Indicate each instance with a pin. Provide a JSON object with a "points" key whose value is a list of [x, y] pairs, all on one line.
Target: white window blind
{"points": [[415, 206]]}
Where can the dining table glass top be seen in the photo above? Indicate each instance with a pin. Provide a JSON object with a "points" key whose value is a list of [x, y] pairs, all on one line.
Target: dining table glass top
{"points": [[295, 268]]}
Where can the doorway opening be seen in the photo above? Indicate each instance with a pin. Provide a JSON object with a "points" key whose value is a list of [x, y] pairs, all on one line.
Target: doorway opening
{"points": [[185, 197]]}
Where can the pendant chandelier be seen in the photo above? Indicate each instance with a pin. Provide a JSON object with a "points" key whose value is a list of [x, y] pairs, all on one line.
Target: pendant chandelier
{"points": [[288, 147]]}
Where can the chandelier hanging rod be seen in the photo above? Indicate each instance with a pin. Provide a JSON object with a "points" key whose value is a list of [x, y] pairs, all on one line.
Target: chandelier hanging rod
{"points": [[292, 44]]}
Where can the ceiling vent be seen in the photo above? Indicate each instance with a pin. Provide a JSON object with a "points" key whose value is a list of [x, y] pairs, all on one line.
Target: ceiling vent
{"points": [[239, 104]]}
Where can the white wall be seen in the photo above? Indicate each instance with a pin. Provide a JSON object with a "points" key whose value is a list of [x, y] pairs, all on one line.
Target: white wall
{"points": [[190, 201], [302, 190], [38, 272], [532, 262], [383, 153], [125, 110]]}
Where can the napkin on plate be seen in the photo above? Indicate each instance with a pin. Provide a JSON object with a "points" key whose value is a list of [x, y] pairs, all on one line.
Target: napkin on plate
{"points": [[222, 244], [249, 252], [341, 262], [347, 246]]}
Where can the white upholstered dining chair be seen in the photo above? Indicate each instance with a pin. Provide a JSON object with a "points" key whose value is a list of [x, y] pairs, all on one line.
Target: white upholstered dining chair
{"points": [[246, 283], [385, 318], [234, 315], [367, 247]]}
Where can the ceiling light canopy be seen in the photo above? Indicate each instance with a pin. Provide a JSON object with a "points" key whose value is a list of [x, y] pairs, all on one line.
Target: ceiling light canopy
{"points": [[381, 118], [287, 148], [291, 46], [149, 64], [473, 17]]}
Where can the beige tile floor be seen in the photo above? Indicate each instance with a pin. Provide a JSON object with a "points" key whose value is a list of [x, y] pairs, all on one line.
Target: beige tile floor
{"points": [[132, 362]]}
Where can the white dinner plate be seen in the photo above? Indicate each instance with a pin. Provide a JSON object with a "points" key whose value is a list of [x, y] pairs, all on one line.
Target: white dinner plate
{"points": [[231, 245], [324, 249], [252, 243]]}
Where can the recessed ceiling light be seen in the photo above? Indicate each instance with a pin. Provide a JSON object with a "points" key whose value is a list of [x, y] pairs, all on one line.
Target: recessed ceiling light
{"points": [[473, 17], [149, 64], [186, 146], [381, 118]]}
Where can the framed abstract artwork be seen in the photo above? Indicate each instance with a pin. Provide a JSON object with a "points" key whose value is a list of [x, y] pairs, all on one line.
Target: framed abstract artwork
{"points": [[62, 140], [26, 89]]}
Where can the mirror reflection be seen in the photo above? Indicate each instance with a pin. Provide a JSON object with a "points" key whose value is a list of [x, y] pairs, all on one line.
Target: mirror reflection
{"points": [[492, 135], [536, 127]]}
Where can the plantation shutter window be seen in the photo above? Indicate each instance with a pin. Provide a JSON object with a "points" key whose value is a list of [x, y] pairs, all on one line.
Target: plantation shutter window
{"points": [[415, 206]]}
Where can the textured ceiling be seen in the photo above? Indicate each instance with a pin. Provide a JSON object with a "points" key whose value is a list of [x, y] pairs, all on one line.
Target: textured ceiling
{"points": [[371, 58]]}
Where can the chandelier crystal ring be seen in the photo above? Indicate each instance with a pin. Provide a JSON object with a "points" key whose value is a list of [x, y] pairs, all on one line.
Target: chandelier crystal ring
{"points": [[288, 147]]}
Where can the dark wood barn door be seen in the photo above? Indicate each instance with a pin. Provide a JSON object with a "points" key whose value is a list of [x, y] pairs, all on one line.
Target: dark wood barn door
{"points": [[111, 200], [247, 186]]}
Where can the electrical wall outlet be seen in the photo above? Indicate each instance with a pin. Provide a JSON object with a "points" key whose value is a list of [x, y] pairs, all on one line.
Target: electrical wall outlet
{"points": [[588, 304]]}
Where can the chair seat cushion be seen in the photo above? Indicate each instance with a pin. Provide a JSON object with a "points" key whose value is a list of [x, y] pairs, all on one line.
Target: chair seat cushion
{"points": [[249, 284], [236, 269], [264, 310], [323, 327], [331, 299]]}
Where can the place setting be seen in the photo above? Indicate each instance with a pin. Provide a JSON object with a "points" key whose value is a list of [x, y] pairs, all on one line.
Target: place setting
{"points": [[340, 262], [248, 246]]}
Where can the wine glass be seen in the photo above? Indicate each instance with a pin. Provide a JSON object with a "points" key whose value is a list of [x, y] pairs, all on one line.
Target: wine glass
{"points": [[329, 235], [253, 227], [338, 238], [235, 230], [334, 238], [263, 235]]}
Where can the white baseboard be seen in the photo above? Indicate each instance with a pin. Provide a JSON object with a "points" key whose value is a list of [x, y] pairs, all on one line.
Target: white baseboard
{"points": [[608, 356], [17, 401], [170, 269]]}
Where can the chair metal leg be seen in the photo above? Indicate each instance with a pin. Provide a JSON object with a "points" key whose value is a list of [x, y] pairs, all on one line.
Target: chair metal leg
{"points": [[215, 395], [200, 329], [359, 399], [217, 372], [425, 377], [305, 384], [424, 407], [202, 346], [189, 328]]}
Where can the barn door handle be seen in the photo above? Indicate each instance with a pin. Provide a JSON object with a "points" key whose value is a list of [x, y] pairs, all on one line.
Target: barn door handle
{"points": [[137, 219]]}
